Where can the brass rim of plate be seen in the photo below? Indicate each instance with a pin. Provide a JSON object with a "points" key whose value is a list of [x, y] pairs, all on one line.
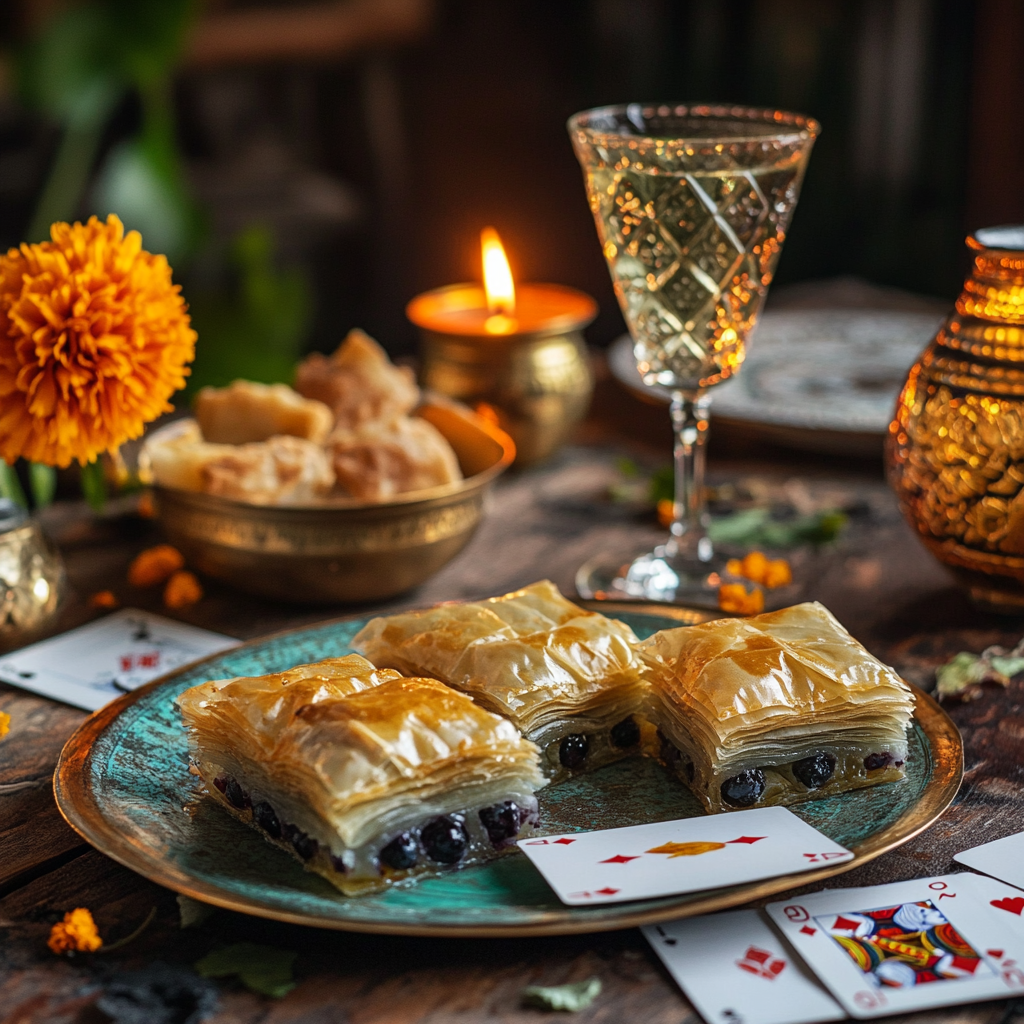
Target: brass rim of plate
{"points": [[76, 805]]}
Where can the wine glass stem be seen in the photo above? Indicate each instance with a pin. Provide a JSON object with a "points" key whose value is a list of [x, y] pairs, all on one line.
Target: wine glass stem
{"points": [[689, 537]]}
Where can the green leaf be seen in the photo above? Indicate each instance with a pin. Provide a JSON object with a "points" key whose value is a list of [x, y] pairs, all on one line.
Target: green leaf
{"points": [[663, 485], [570, 998], [193, 912], [263, 969], [1007, 665], [10, 485], [42, 480], [94, 485], [754, 527]]}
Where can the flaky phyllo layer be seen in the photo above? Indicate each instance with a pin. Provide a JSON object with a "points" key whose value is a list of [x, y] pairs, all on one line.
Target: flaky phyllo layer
{"points": [[553, 668], [775, 709], [369, 778]]}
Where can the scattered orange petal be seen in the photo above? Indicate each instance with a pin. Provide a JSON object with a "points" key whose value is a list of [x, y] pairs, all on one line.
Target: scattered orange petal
{"points": [[666, 511], [734, 567], [733, 597], [182, 590], [778, 574], [104, 599], [75, 934], [147, 507], [154, 565], [5, 723]]}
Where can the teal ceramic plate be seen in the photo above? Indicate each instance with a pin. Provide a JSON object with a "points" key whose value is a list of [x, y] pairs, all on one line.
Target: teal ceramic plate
{"points": [[123, 782]]}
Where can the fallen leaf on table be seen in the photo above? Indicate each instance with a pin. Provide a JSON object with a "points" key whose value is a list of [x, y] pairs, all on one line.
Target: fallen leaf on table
{"points": [[570, 998], [963, 675], [75, 934], [193, 912], [266, 970]]}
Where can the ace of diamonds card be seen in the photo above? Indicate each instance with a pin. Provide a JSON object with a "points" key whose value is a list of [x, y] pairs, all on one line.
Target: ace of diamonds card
{"points": [[668, 857]]}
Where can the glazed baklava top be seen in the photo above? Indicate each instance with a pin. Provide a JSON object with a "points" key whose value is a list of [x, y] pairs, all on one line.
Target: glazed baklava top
{"points": [[355, 759], [531, 654], [791, 673]]}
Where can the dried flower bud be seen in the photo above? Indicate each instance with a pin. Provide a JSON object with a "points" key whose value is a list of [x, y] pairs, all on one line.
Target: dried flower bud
{"points": [[154, 565], [182, 590]]}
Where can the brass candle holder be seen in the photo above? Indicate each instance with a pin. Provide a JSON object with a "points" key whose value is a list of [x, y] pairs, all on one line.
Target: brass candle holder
{"points": [[516, 354]]}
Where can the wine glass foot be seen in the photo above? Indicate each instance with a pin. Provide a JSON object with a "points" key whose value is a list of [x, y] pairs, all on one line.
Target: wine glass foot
{"points": [[653, 576]]}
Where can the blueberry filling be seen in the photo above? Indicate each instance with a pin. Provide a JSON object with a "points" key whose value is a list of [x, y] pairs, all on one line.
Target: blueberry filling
{"points": [[502, 821], [338, 864], [401, 852], [668, 751], [690, 771], [237, 796], [264, 816], [816, 770], [625, 734], [445, 839], [573, 751], [304, 845], [744, 789], [221, 782], [880, 760]]}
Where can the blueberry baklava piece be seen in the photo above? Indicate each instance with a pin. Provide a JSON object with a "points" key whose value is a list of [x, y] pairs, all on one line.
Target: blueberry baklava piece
{"points": [[774, 709], [378, 787], [567, 677]]}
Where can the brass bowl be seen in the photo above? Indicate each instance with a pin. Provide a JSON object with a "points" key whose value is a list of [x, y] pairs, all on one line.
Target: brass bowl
{"points": [[344, 551]]}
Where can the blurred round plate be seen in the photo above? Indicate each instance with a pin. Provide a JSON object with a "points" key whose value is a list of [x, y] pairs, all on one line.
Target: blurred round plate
{"points": [[817, 380], [123, 782]]}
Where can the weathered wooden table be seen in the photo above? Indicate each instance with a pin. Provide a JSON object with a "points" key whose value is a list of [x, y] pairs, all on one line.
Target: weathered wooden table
{"points": [[544, 522]]}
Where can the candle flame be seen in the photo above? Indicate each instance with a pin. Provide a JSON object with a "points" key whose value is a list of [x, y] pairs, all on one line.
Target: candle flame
{"points": [[498, 284]]}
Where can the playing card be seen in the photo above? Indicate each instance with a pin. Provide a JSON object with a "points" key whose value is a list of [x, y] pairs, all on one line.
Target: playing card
{"points": [[735, 969], [909, 945], [644, 861], [90, 666], [1003, 859]]}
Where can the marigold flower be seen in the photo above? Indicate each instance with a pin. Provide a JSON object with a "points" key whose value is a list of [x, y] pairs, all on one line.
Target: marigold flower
{"points": [[94, 338], [778, 574], [757, 568], [182, 590], [733, 597], [75, 934], [5, 724], [155, 565]]}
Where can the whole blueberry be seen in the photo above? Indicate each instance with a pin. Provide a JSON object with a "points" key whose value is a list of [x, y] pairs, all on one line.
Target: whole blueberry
{"points": [[304, 845], [625, 734], [573, 751], [816, 770], [401, 852], [744, 789], [882, 759], [265, 816], [502, 821], [444, 839], [237, 796]]}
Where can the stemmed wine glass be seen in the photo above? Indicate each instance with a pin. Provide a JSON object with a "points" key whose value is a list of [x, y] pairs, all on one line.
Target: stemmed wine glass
{"points": [[692, 205]]}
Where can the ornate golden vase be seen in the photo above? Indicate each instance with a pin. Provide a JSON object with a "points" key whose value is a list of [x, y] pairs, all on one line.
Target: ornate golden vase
{"points": [[956, 446]]}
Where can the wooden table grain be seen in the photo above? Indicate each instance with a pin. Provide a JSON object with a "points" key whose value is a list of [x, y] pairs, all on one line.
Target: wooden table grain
{"points": [[543, 522]]}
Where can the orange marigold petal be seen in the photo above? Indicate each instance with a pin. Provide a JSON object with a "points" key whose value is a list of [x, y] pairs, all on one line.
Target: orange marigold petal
{"points": [[94, 339], [754, 566], [778, 574], [5, 724], [77, 933], [154, 565], [182, 590], [733, 597]]}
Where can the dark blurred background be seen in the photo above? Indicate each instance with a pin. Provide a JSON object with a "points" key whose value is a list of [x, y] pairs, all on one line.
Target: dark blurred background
{"points": [[311, 166]]}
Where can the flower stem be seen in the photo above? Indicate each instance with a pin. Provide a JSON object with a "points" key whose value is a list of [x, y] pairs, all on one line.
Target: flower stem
{"points": [[10, 485]]}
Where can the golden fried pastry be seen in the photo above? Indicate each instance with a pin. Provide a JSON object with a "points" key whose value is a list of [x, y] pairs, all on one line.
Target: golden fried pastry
{"points": [[278, 471], [567, 677], [358, 383], [367, 778], [377, 461], [775, 709], [245, 412]]}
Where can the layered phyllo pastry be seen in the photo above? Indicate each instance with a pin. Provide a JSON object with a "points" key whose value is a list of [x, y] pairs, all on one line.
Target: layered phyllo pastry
{"points": [[567, 677], [774, 709], [366, 777]]}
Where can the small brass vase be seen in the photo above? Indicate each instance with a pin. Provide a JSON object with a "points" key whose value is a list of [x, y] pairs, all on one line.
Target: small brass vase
{"points": [[955, 450], [32, 578], [535, 384]]}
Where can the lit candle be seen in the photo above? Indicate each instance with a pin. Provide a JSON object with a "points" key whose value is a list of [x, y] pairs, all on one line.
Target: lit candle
{"points": [[516, 349]]}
